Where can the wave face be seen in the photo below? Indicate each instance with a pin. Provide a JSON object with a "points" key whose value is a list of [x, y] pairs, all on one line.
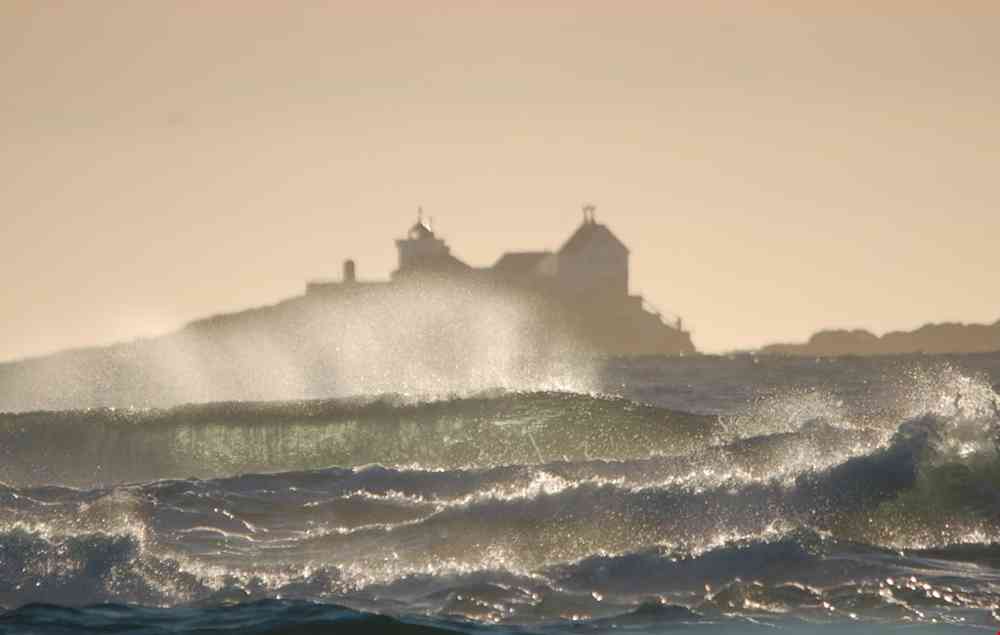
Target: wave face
{"points": [[837, 496], [108, 446]]}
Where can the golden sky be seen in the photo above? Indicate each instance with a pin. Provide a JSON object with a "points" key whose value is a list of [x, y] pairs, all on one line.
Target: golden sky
{"points": [[775, 168]]}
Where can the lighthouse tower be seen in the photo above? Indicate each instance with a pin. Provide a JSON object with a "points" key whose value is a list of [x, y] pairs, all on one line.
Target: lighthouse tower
{"points": [[423, 252]]}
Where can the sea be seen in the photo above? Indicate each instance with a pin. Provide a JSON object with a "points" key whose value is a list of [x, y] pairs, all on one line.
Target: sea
{"points": [[711, 494]]}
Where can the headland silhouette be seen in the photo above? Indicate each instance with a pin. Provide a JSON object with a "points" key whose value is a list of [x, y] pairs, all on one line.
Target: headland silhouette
{"points": [[929, 339], [533, 320]]}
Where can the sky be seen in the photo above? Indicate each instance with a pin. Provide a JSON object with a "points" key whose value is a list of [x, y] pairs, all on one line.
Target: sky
{"points": [[775, 168]]}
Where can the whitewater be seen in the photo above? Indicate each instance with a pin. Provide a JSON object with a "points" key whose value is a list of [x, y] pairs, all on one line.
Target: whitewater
{"points": [[706, 494]]}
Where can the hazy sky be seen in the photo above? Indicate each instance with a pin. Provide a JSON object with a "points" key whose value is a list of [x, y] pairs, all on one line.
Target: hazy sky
{"points": [[774, 169]]}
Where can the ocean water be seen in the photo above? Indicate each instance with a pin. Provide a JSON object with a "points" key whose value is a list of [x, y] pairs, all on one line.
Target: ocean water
{"points": [[703, 495]]}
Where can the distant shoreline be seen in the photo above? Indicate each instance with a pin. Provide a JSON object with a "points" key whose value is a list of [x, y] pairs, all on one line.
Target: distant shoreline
{"points": [[930, 339]]}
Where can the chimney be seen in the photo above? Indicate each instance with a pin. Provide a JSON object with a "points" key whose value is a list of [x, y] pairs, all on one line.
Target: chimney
{"points": [[349, 276]]}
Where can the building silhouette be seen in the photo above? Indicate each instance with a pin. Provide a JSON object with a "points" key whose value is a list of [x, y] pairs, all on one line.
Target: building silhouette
{"points": [[422, 252], [584, 284]]}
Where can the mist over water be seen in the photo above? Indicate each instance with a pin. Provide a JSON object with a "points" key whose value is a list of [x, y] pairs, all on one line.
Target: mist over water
{"points": [[726, 495], [425, 339]]}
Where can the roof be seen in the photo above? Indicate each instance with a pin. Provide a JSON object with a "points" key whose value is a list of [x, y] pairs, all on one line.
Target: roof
{"points": [[587, 234], [419, 230], [520, 261]]}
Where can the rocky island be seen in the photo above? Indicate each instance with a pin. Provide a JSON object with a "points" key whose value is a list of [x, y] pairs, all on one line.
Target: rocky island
{"points": [[928, 339]]}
